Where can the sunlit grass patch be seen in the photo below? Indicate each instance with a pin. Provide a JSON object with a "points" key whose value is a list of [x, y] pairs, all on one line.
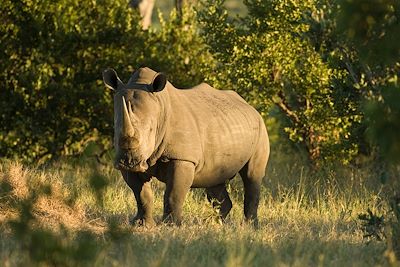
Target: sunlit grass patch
{"points": [[307, 218]]}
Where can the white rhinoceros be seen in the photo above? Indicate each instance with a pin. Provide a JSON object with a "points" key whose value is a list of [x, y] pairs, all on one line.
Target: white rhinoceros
{"points": [[197, 137]]}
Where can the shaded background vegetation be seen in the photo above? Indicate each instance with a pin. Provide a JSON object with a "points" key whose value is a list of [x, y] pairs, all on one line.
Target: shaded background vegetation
{"points": [[53, 53], [325, 74]]}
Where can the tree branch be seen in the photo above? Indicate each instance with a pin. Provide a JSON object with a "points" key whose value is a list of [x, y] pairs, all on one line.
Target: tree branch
{"points": [[281, 103]]}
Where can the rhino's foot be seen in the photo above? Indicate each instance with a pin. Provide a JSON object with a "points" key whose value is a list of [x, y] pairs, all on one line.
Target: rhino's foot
{"points": [[170, 220], [140, 221], [220, 200], [253, 223]]}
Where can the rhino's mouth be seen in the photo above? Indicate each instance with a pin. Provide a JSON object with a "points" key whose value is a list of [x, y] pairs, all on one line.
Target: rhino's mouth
{"points": [[133, 166]]}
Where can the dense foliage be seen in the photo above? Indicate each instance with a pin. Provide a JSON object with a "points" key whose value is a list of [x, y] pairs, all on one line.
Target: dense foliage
{"points": [[285, 53], [52, 99], [373, 29], [329, 76]]}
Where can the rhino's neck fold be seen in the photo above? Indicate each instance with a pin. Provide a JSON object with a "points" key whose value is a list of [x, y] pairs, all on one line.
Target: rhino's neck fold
{"points": [[162, 124]]}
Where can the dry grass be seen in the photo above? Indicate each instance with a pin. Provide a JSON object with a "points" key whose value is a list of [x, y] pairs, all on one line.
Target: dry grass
{"points": [[48, 193], [306, 219]]}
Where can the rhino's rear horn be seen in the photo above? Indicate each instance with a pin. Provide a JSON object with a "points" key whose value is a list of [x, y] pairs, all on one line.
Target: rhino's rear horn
{"points": [[127, 128]]}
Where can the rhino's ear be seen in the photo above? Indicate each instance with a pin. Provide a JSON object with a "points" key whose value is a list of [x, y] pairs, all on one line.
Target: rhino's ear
{"points": [[111, 79], [159, 82]]}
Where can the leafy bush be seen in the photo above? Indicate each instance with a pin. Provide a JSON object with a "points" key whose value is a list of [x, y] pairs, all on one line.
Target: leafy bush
{"points": [[284, 54], [52, 98], [286, 58], [373, 29]]}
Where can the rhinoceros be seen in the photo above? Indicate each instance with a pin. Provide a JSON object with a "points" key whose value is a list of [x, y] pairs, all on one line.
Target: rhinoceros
{"points": [[187, 138]]}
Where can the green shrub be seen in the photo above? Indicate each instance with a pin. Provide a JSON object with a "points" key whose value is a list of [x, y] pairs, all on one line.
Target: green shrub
{"points": [[284, 54], [52, 99]]}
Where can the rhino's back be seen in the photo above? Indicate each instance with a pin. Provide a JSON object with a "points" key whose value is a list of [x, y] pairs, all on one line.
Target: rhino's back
{"points": [[215, 129]]}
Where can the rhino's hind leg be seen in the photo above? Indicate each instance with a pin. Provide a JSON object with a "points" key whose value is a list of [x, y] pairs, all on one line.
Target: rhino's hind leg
{"points": [[252, 186], [141, 188], [219, 198], [252, 175]]}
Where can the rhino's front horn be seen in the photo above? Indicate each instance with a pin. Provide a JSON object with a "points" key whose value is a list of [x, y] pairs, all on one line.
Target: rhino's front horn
{"points": [[127, 128]]}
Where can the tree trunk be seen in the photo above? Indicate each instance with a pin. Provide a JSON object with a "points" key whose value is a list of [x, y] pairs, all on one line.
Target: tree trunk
{"points": [[146, 10], [311, 141], [179, 6]]}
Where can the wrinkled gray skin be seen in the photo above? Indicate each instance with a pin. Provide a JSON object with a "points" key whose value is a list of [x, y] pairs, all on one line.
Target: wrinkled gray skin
{"points": [[186, 138]]}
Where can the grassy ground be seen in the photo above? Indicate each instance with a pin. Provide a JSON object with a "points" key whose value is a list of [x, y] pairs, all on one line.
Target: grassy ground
{"points": [[53, 216]]}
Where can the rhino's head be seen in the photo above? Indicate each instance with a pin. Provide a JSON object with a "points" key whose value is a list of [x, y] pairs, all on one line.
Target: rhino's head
{"points": [[137, 113]]}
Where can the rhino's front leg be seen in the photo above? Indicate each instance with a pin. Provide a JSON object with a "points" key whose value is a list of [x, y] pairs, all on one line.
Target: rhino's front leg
{"points": [[180, 175], [141, 187]]}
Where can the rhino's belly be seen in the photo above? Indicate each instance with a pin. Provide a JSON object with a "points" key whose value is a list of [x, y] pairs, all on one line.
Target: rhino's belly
{"points": [[220, 168]]}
